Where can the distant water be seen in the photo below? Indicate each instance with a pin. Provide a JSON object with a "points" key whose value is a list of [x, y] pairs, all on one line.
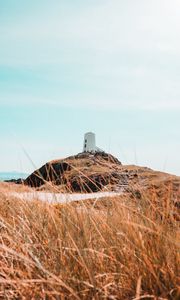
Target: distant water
{"points": [[12, 175]]}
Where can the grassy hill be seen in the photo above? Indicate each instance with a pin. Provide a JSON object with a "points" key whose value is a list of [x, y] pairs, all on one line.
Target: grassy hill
{"points": [[88, 172], [123, 247]]}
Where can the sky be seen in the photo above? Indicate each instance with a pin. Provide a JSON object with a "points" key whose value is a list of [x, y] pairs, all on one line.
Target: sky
{"points": [[107, 66]]}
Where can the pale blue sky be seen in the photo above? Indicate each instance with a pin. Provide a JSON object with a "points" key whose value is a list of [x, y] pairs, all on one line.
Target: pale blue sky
{"points": [[112, 67]]}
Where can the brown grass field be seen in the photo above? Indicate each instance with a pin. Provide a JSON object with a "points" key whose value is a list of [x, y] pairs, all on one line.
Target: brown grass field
{"points": [[118, 248]]}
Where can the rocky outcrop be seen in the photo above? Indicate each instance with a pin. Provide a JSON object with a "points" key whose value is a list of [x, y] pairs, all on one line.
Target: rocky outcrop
{"points": [[84, 172], [52, 171], [92, 183], [93, 172], [108, 158], [17, 181]]}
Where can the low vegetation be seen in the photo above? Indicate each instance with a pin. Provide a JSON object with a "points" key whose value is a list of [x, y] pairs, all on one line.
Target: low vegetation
{"points": [[118, 248]]}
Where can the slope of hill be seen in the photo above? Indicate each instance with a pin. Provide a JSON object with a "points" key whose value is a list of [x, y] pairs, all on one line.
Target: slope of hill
{"points": [[88, 172]]}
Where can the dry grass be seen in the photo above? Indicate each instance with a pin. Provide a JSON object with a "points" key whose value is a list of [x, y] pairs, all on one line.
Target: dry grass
{"points": [[12, 187], [122, 250]]}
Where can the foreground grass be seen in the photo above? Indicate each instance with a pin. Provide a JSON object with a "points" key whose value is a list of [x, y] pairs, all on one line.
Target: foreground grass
{"points": [[111, 249]]}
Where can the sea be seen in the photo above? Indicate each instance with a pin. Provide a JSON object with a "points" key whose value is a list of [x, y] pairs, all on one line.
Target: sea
{"points": [[12, 175]]}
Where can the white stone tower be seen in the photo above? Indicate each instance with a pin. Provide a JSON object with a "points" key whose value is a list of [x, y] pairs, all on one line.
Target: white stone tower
{"points": [[89, 142]]}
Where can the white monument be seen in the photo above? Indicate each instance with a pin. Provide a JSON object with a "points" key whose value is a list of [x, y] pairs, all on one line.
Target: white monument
{"points": [[90, 143]]}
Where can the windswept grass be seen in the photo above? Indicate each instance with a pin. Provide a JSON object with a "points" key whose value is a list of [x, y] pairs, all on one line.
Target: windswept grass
{"points": [[110, 249]]}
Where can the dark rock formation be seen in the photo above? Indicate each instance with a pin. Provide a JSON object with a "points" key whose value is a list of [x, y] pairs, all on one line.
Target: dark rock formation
{"points": [[87, 172], [92, 172], [52, 172], [92, 183], [17, 181]]}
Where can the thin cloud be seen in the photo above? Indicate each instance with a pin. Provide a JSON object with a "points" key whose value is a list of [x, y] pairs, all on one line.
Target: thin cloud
{"points": [[108, 54]]}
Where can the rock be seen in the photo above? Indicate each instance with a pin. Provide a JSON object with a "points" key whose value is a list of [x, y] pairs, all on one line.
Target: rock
{"points": [[108, 157], [88, 172], [93, 183], [17, 181], [92, 172], [52, 172]]}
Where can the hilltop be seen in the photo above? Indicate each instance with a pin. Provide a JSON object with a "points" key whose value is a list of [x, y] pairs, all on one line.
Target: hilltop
{"points": [[99, 171], [84, 172]]}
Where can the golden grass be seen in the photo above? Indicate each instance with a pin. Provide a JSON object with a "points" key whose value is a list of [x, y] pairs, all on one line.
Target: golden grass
{"points": [[112, 249]]}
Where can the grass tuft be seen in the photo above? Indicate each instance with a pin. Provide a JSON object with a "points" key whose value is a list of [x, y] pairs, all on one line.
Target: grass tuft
{"points": [[123, 249]]}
